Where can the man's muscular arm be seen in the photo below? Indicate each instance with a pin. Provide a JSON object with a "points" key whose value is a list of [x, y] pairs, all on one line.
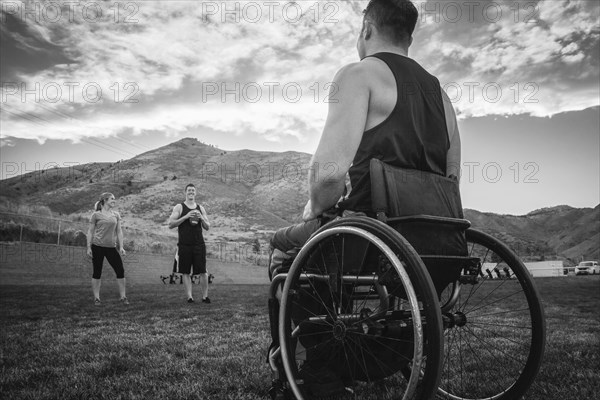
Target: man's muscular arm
{"points": [[454, 156], [174, 220], [204, 218], [339, 142]]}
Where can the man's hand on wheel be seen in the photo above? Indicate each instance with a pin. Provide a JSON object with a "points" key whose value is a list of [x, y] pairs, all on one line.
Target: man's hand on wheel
{"points": [[308, 213]]}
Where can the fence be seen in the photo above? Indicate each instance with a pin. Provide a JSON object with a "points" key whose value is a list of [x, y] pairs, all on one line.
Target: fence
{"points": [[28, 263], [15, 227], [47, 250]]}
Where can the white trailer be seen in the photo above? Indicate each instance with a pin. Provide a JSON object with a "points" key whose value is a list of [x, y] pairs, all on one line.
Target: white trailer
{"points": [[545, 268]]}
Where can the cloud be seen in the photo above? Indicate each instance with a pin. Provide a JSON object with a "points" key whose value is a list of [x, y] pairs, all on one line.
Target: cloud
{"points": [[6, 142], [26, 47], [156, 68], [535, 58]]}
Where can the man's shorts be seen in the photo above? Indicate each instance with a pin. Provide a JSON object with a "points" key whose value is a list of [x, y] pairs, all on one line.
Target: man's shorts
{"points": [[191, 259]]}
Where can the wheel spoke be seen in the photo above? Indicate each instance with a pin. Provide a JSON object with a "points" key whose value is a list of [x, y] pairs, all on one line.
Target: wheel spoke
{"points": [[473, 321], [493, 302], [350, 322], [496, 351]]}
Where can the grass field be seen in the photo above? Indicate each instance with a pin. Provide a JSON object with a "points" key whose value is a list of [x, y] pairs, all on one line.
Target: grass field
{"points": [[56, 345]]}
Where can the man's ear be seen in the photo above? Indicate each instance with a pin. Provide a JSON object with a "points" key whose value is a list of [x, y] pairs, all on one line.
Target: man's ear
{"points": [[367, 29]]}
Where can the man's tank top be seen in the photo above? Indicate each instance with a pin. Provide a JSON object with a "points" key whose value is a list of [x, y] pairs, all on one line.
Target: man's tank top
{"points": [[413, 136], [189, 234]]}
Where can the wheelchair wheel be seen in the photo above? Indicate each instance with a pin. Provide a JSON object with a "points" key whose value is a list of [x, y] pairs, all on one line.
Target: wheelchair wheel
{"points": [[359, 316], [494, 330]]}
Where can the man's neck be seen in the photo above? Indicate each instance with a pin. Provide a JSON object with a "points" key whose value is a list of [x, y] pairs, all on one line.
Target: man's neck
{"points": [[190, 203], [386, 48]]}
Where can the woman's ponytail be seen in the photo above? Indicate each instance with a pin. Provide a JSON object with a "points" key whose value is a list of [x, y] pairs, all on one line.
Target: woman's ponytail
{"points": [[103, 198]]}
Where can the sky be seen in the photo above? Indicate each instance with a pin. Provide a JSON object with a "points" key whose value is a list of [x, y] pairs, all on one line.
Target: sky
{"points": [[104, 81]]}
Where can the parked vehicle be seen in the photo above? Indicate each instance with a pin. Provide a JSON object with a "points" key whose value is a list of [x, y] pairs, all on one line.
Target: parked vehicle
{"points": [[587, 267]]}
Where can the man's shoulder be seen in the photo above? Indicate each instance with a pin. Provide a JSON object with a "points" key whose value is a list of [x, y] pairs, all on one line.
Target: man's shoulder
{"points": [[354, 75], [363, 71], [354, 69]]}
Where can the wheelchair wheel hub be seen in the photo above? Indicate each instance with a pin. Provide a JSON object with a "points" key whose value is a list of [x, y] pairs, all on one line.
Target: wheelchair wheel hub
{"points": [[339, 330], [451, 320]]}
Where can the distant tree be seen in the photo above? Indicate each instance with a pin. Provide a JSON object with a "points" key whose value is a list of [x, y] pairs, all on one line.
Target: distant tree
{"points": [[256, 246], [174, 177], [157, 248], [165, 178], [129, 245]]}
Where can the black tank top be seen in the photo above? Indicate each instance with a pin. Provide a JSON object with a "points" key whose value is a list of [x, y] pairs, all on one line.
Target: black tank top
{"points": [[189, 234], [413, 136]]}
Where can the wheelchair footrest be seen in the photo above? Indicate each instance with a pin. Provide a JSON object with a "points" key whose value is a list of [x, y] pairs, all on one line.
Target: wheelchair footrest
{"points": [[320, 382], [278, 391]]}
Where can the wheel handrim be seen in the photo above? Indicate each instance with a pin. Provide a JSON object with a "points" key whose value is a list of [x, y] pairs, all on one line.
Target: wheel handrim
{"points": [[351, 334]]}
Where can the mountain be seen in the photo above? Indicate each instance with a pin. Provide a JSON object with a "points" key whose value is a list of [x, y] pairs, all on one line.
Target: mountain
{"points": [[571, 233], [245, 192], [248, 194]]}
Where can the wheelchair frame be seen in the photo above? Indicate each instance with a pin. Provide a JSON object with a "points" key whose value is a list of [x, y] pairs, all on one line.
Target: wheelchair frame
{"points": [[458, 352]]}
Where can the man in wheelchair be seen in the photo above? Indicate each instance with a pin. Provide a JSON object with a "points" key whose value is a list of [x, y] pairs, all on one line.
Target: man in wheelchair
{"points": [[363, 309], [387, 108]]}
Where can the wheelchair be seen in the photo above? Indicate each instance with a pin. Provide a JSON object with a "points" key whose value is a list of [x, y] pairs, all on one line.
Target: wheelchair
{"points": [[400, 307]]}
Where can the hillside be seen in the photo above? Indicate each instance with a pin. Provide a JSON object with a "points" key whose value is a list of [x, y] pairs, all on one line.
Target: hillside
{"points": [[571, 233], [248, 194]]}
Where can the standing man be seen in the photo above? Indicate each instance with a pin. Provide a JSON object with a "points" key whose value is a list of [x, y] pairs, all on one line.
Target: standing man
{"points": [[190, 218]]}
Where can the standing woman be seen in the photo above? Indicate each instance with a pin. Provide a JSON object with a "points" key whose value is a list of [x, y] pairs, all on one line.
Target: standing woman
{"points": [[103, 236]]}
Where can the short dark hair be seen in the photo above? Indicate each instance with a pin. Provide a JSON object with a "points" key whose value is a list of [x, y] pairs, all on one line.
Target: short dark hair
{"points": [[396, 19], [189, 185]]}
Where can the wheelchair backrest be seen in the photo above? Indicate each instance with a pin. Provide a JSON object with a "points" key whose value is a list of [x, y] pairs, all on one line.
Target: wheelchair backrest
{"points": [[425, 208]]}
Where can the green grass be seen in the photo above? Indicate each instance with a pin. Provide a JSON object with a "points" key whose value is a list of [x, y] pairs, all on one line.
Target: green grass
{"points": [[572, 361], [56, 345]]}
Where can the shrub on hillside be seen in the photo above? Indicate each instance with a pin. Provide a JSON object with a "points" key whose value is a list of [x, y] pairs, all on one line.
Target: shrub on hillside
{"points": [[73, 238], [158, 247], [129, 245]]}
